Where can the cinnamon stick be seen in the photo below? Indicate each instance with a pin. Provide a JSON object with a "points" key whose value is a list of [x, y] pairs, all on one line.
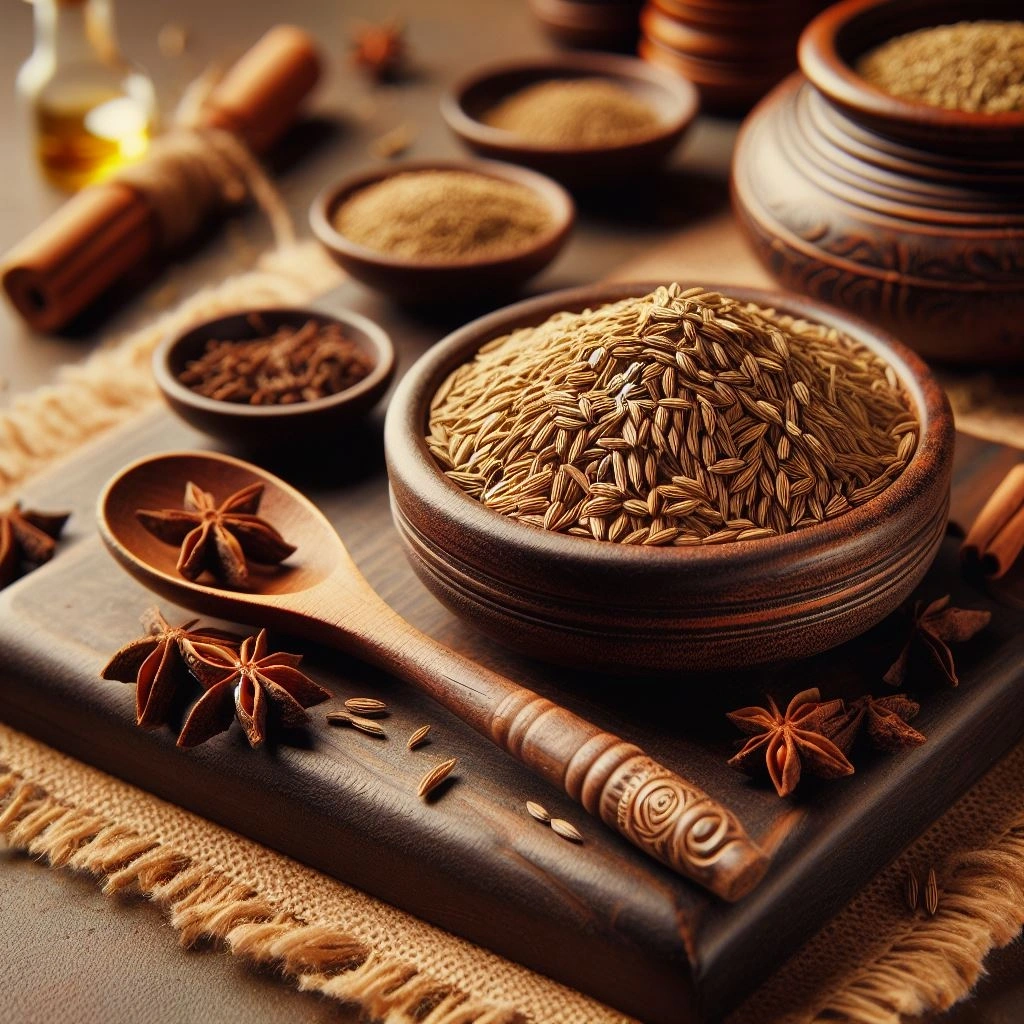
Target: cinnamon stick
{"points": [[109, 229], [996, 539]]}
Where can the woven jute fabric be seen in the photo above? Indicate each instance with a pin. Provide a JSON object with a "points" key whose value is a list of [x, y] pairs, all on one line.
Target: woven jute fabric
{"points": [[873, 964]]}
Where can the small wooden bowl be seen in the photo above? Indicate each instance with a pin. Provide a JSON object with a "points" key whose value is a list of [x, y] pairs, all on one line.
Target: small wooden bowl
{"points": [[273, 426], [907, 214], [612, 607], [674, 100], [590, 24], [423, 281]]}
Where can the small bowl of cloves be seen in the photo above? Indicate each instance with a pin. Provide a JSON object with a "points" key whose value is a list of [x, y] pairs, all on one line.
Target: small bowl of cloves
{"points": [[266, 378]]}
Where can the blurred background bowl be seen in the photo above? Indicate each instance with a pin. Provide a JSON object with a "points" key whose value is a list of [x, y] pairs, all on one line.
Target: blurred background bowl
{"points": [[674, 100], [431, 282], [273, 427]]}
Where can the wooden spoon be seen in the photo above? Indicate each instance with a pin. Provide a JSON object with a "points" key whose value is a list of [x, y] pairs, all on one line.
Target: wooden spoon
{"points": [[325, 598]]}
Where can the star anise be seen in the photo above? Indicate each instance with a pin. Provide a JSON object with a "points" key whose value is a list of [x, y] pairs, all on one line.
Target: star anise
{"points": [[155, 664], [379, 49], [240, 684], [27, 539], [218, 538], [884, 719], [932, 628], [788, 743]]}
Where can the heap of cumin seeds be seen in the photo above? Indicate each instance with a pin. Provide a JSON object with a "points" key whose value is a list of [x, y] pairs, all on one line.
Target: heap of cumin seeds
{"points": [[678, 418]]}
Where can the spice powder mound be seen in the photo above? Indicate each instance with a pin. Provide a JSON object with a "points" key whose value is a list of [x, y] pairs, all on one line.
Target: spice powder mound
{"points": [[443, 216], [975, 66], [679, 418], [585, 112]]}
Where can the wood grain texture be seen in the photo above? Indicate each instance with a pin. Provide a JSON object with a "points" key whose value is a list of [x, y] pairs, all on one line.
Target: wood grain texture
{"points": [[908, 215], [600, 915]]}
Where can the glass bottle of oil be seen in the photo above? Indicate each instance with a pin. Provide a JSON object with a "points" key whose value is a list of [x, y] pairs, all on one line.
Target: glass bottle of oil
{"points": [[90, 111]]}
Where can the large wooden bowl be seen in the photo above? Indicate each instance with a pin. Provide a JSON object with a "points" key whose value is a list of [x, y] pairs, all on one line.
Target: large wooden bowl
{"points": [[909, 215], [630, 609]]}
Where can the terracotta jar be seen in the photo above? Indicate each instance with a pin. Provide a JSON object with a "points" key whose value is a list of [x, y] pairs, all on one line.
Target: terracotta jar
{"points": [[907, 214], [734, 51]]}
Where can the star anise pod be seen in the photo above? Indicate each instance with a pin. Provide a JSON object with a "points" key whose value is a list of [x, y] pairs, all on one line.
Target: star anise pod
{"points": [[791, 742], [884, 719], [379, 49], [155, 664], [27, 539], [218, 538], [932, 628], [240, 684]]}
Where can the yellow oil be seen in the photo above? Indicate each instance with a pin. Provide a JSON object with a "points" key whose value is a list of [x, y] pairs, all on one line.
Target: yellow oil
{"points": [[82, 143]]}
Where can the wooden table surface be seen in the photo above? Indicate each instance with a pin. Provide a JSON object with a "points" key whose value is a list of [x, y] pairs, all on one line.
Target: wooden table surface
{"points": [[67, 953]]}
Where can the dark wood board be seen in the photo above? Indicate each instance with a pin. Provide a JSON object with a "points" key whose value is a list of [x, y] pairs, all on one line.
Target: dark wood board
{"points": [[600, 916]]}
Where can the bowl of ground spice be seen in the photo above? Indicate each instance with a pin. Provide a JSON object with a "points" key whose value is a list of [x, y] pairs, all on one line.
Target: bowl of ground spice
{"points": [[584, 119], [663, 477], [272, 378], [889, 179], [443, 231]]}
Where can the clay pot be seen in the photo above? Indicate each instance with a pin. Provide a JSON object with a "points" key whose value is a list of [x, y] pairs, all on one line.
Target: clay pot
{"points": [[909, 215]]}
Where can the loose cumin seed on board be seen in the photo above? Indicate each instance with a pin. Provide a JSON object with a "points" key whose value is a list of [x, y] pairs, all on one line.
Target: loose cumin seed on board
{"points": [[418, 738], [435, 777], [679, 418], [366, 706]]}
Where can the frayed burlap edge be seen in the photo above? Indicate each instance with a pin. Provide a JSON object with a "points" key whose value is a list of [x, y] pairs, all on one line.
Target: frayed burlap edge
{"points": [[116, 382], [203, 905], [937, 962]]}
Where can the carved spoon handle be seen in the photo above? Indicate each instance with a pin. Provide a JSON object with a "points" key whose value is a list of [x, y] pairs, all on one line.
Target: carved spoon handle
{"points": [[666, 816]]}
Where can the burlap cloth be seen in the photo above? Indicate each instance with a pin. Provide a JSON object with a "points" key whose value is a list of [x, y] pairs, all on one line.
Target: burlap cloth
{"points": [[872, 964]]}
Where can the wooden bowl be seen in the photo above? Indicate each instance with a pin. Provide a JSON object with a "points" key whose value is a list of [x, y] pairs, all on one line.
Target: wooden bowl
{"points": [[590, 24], [621, 608], [424, 281], [733, 51], [273, 426], [909, 215], [674, 100]]}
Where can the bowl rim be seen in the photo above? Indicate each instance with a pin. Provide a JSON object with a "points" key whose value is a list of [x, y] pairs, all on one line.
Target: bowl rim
{"points": [[405, 444], [826, 68], [555, 198], [379, 341], [598, 65]]}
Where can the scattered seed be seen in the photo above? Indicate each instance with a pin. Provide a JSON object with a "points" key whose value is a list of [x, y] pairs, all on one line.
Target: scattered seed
{"points": [[566, 830], [418, 737], [912, 890], [363, 724], [366, 706], [931, 893], [435, 777], [538, 812]]}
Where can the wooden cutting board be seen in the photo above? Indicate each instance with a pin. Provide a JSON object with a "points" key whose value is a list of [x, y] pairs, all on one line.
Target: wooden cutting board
{"points": [[599, 916]]}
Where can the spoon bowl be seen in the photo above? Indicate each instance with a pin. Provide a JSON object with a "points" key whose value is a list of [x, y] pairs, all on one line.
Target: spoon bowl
{"points": [[322, 596]]}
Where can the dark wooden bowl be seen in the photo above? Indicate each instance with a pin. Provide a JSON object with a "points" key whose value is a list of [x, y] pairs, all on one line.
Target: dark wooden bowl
{"points": [[629, 609], [674, 100], [909, 215], [264, 427], [431, 282], [733, 51], [590, 24]]}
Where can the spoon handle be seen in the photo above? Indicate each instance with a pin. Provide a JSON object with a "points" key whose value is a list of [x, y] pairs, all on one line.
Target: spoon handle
{"points": [[666, 816]]}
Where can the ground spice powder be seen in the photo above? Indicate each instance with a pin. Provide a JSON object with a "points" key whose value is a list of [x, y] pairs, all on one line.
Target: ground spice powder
{"points": [[443, 216], [973, 66], [584, 112]]}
